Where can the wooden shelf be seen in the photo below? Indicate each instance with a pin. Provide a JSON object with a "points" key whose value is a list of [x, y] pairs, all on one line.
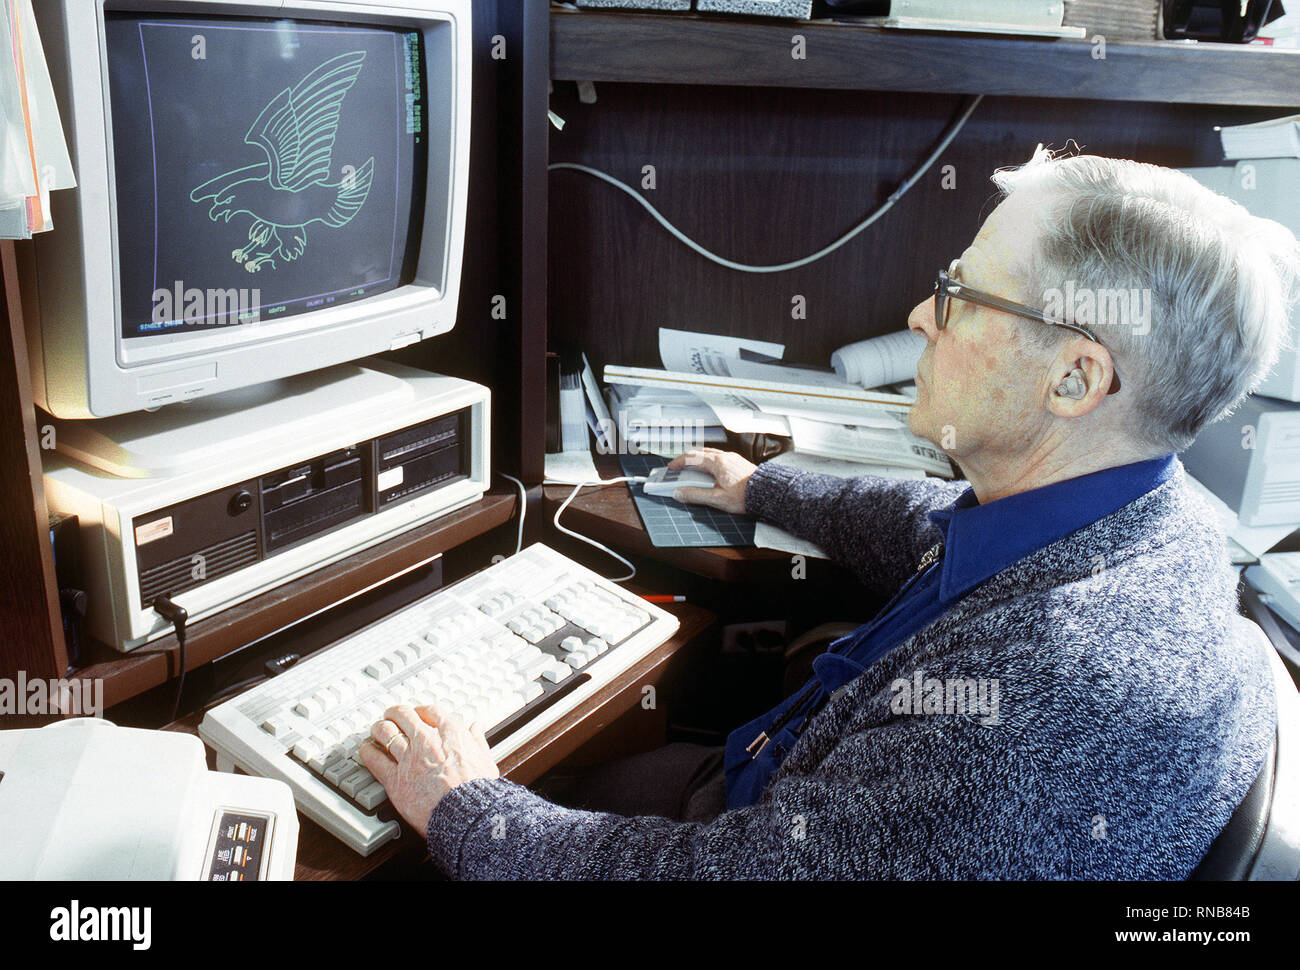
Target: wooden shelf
{"points": [[126, 675], [688, 49]]}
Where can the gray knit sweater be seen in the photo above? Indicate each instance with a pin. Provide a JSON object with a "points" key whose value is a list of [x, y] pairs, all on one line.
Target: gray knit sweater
{"points": [[1134, 709]]}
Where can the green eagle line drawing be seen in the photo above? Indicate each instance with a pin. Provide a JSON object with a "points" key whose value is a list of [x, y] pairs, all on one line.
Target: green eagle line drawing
{"points": [[291, 189]]}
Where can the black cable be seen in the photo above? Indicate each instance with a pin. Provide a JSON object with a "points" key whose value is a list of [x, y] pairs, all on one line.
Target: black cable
{"points": [[176, 615]]}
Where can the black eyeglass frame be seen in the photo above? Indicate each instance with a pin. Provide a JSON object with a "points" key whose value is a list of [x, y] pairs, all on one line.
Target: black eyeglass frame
{"points": [[946, 287]]}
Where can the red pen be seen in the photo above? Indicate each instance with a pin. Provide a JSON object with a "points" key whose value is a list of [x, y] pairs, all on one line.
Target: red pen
{"points": [[664, 599]]}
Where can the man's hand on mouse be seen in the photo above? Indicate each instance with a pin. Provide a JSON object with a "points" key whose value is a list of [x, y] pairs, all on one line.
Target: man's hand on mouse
{"points": [[730, 473]]}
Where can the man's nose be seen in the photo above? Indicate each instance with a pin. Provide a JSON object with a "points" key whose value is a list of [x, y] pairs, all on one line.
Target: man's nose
{"points": [[921, 319]]}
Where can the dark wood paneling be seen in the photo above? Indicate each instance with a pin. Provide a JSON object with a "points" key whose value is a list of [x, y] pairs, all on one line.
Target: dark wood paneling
{"points": [[766, 176], [533, 201], [710, 50], [31, 630]]}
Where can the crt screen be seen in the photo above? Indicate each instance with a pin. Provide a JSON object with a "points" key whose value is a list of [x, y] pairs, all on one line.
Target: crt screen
{"points": [[263, 168]]}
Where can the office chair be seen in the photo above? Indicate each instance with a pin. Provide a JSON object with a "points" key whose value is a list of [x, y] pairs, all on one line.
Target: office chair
{"points": [[1261, 841]]}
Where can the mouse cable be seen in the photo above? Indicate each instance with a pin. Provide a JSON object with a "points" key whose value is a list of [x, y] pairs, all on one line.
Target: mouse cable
{"points": [[950, 133], [631, 479]]}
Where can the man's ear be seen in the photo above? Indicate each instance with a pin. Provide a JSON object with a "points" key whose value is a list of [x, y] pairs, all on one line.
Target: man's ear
{"points": [[1079, 378]]}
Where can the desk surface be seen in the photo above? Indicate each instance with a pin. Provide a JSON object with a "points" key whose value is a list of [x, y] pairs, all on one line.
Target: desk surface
{"points": [[321, 857], [608, 514]]}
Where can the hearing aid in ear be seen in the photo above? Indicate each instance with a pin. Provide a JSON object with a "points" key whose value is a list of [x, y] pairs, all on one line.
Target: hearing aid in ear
{"points": [[1074, 386]]}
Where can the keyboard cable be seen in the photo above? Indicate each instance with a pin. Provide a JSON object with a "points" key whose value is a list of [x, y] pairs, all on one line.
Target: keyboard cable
{"points": [[176, 615], [523, 507]]}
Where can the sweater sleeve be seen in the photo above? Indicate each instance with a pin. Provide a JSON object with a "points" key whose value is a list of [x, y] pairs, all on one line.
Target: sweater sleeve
{"points": [[871, 811], [875, 526]]}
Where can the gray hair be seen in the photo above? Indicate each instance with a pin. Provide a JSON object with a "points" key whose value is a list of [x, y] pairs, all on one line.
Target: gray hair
{"points": [[1220, 282]]}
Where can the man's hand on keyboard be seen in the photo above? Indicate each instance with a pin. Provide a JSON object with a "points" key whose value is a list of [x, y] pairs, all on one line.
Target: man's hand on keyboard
{"points": [[730, 475], [420, 754]]}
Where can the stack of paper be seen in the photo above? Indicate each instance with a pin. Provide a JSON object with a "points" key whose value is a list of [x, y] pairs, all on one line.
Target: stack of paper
{"points": [[1276, 138], [662, 421], [1038, 18], [748, 389], [33, 153]]}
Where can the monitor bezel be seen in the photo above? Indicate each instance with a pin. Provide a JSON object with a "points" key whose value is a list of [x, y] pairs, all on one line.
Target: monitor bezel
{"points": [[98, 372], [147, 348]]}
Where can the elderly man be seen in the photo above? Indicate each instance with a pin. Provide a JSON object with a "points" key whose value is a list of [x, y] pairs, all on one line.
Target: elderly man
{"points": [[1122, 714]]}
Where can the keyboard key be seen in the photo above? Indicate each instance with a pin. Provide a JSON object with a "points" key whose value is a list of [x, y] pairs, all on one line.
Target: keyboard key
{"points": [[556, 673], [357, 781], [372, 796], [339, 770], [535, 665]]}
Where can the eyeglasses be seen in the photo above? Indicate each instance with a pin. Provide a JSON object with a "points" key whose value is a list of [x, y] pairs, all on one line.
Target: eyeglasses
{"points": [[948, 289]]}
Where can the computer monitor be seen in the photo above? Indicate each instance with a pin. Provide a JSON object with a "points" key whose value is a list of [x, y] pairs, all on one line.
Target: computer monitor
{"points": [[265, 188]]}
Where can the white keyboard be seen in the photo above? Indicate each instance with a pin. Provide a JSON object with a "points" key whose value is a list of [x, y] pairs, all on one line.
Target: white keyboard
{"points": [[516, 645]]}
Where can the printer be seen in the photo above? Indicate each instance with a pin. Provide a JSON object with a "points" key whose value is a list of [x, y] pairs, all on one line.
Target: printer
{"points": [[84, 799]]}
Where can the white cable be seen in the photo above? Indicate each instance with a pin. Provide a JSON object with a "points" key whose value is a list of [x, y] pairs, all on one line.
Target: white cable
{"points": [[523, 507], [885, 206], [592, 542]]}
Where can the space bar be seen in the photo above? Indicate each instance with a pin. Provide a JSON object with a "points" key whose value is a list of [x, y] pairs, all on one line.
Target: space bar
{"points": [[512, 724]]}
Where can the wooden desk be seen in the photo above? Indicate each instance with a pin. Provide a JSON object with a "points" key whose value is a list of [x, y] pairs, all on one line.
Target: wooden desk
{"points": [[322, 857]]}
